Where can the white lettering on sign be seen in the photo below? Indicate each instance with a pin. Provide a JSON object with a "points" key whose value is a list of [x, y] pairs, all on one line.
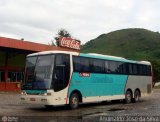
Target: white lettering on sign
{"points": [[70, 43]]}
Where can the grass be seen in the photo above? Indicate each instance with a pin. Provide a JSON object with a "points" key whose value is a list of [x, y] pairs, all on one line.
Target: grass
{"points": [[130, 43]]}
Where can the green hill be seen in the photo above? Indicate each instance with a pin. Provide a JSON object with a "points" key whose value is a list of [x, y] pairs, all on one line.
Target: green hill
{"points": [[138, 44], [135, 44]]}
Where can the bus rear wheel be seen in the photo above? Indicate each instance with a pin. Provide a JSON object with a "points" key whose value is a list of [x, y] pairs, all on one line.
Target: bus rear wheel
{"points": [[128, 97], [136, 96], [74, 101]]}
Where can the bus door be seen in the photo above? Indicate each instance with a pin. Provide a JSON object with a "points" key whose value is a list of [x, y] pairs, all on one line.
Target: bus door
{"points": [[61, 72]]}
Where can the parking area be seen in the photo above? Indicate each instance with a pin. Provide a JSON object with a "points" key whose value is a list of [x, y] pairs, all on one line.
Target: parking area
{"points": [[11, 108]]}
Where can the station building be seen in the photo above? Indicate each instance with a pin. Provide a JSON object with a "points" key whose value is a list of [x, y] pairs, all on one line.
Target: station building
{"points": [[13, 53]]}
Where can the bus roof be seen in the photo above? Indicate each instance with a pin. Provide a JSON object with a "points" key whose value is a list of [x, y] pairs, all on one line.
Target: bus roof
{"points": [[53, 52], [91, 55]]}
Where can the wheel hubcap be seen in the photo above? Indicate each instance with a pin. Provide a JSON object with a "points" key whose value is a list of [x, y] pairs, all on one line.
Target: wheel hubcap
{"points": [[137, 96], [128, 97], [74, 100]]}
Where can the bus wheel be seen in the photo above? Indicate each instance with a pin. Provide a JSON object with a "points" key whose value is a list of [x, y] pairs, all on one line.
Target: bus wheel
{"points": [[136, 96], [74, 101], [128, 97]]}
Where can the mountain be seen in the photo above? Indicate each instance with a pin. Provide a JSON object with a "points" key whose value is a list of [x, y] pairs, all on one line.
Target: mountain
{"points": [[137, 44]]}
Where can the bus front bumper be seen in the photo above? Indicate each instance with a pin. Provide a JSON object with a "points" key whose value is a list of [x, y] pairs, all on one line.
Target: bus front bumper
{"points": [[36, 99]]}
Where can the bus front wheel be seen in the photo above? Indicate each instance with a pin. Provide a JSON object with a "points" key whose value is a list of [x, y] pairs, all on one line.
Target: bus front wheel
{"points": [[128, 97], [74, 101]]}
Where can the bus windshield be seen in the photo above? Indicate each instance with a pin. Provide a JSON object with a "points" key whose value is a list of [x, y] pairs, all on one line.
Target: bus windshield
{"points": [[39, 70]]}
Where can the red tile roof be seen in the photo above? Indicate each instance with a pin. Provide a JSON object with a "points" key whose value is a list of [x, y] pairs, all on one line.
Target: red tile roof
{"points": [[29, 46]]}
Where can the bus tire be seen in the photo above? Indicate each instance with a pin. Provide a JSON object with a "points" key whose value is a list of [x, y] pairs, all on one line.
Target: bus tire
{"points": [[74, 101], [136, 96], [128, 97]]}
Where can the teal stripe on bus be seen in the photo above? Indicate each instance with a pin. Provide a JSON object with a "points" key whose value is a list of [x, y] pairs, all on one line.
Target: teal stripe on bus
{"points": [[98, 84], [36, 91]]}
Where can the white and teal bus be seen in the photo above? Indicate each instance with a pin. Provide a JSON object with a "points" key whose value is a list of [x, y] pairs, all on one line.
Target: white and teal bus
{"points": [[59, 77]]}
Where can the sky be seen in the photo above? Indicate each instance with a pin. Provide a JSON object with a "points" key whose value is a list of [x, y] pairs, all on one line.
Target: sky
{"points": [[39, 20]]}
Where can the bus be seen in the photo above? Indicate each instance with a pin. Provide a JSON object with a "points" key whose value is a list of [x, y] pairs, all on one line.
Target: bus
{"points": [[71, 78]]}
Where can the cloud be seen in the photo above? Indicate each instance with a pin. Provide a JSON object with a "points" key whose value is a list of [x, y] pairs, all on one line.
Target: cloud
{"points": [[39, 20]]}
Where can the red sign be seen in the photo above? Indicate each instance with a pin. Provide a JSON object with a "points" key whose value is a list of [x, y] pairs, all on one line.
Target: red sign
{"points": [[85, 74], [70, 43]]}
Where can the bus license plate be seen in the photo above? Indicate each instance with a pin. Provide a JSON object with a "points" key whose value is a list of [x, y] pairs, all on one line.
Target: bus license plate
{"points": [[32, 99]]}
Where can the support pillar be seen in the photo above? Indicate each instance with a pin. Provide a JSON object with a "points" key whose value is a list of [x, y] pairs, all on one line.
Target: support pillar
{"points": [[6, 67]]}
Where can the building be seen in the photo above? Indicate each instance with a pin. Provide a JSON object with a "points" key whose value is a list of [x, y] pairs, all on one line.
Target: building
{"points": [[12, 61]]}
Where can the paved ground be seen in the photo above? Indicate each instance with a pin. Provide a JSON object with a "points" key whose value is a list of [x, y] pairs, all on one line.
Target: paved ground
{"points": [[146, 110]]}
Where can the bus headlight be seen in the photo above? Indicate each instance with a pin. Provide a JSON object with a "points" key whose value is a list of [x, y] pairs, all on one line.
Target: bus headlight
{"points": [[23, 93], [47, 94]]}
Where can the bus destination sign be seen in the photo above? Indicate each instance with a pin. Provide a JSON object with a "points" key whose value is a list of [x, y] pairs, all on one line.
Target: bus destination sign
{"points": [[69, 43]]}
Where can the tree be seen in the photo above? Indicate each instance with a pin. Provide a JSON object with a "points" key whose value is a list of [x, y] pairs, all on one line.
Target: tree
{"points": [[61, 33], [156, 69], [52, 43]]}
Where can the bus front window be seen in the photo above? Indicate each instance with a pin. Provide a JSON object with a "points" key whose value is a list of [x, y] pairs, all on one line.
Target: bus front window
{"points": [[39, 75], [29, 72]]}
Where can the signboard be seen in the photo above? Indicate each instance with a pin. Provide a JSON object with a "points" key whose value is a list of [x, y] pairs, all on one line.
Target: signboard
{"points": [[85, 74], [69, 43]]}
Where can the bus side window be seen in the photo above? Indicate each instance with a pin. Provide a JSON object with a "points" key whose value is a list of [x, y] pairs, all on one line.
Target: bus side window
{"points": [[76, 64], [107, 67], [148, 70], [85, 64], [98, 66], [81, 64], [125, 68], [144, 70], [135, 71], [130, 66], [140, 70], [113, 67], [121, 68]]}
